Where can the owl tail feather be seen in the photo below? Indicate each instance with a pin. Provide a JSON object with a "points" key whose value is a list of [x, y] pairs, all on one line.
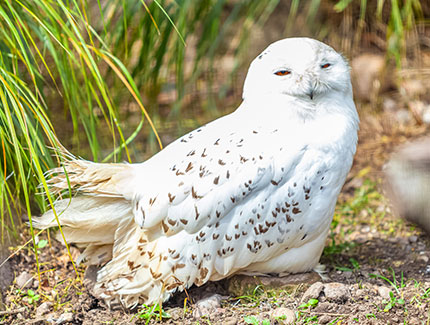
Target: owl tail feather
{"points": [[90, 219]]}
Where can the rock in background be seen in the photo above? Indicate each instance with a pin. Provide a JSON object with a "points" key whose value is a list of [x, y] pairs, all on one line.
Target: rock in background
{"points": [[407, 182]]}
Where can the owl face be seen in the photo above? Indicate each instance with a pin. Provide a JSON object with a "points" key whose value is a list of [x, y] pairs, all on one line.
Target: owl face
{"points": [[302, 68]]}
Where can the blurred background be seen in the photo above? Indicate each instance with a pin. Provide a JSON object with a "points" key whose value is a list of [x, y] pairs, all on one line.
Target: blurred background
{"points": [[111, 79]]}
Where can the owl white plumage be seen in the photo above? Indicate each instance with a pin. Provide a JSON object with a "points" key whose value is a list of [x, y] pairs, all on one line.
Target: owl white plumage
{"points": [[251, 192]]}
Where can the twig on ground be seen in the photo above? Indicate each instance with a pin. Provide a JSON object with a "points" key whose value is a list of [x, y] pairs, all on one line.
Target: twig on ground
{"points": [[12, 312]]}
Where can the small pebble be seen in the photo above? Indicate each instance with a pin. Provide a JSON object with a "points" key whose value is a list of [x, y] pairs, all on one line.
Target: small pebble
{"points": [[423, 258], [44, 308], [324, 319], [283, 315], [230, 321], [313, 292], [24, 280], [65, 318], [336, 291], [412, 239], [384, 292]]}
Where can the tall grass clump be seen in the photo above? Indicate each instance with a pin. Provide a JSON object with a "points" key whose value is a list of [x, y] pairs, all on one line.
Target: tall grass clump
{"points": [[83, 63]]}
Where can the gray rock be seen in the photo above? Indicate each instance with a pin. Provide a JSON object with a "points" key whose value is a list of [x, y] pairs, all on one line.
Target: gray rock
{"points": [[207, 305], [412, 239], [64, 318], [44, 308], [407, 183], [230, 321], [24, 280], [384, 292], [313, 292], [240, 284], [283, 315], [324, 319], [336, 291], [423, 258]]}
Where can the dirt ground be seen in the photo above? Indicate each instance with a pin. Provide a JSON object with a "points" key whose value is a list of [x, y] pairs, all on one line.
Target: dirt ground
{"points": [[378, 269]]}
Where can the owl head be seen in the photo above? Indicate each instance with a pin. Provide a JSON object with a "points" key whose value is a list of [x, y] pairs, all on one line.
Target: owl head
{"points": [[301, 69]]}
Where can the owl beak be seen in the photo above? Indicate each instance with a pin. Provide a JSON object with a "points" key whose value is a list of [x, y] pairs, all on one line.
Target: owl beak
{"points": [[311, 94]]}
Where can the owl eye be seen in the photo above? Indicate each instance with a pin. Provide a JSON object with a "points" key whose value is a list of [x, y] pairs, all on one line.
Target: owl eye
{"points": [[325, 66], [282, 72]]}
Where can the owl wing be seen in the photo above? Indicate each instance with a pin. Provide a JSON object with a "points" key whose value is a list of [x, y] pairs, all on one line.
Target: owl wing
{"points": [[200, 178]]}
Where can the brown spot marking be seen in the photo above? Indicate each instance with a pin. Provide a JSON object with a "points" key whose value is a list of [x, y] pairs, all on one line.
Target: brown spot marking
{"points": [[197, 212], [180, 266], [269, 243], [278, 210], [171, 197], [274, 214], [244, 233], [233, 199], [228, 238], [258, 216], [194, 193], [218, 214], [180, 184], [217, 225], [287, 204], [296, 210], [249, 246], [175, 257], [142, 241], [155, 275], [171, 222], [191, 153], [216, 180], [288, 218], [295, 203], [179, 173], [193, 256], [256, 231], [307, 197], [262, 229], [255, 132], [203, 272], [274, 183], [260, 156], [152, 201], [236, 226], [184, 221], [203, 153], [165, 227], [183, 140], [189, 167], [215, 236], [228, 174], [221, 162], [251, 221], [236, 236], [216, 142], [202, 234], [172, 286], [304, 236], [243, 159], [130, 264]]}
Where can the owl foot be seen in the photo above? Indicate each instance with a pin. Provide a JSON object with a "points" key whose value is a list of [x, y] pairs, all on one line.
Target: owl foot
{"points": [[207, 305], [321, 270]]}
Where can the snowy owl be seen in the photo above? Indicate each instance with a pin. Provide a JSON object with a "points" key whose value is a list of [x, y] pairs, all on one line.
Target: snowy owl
{"points": [[251, 192]]}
